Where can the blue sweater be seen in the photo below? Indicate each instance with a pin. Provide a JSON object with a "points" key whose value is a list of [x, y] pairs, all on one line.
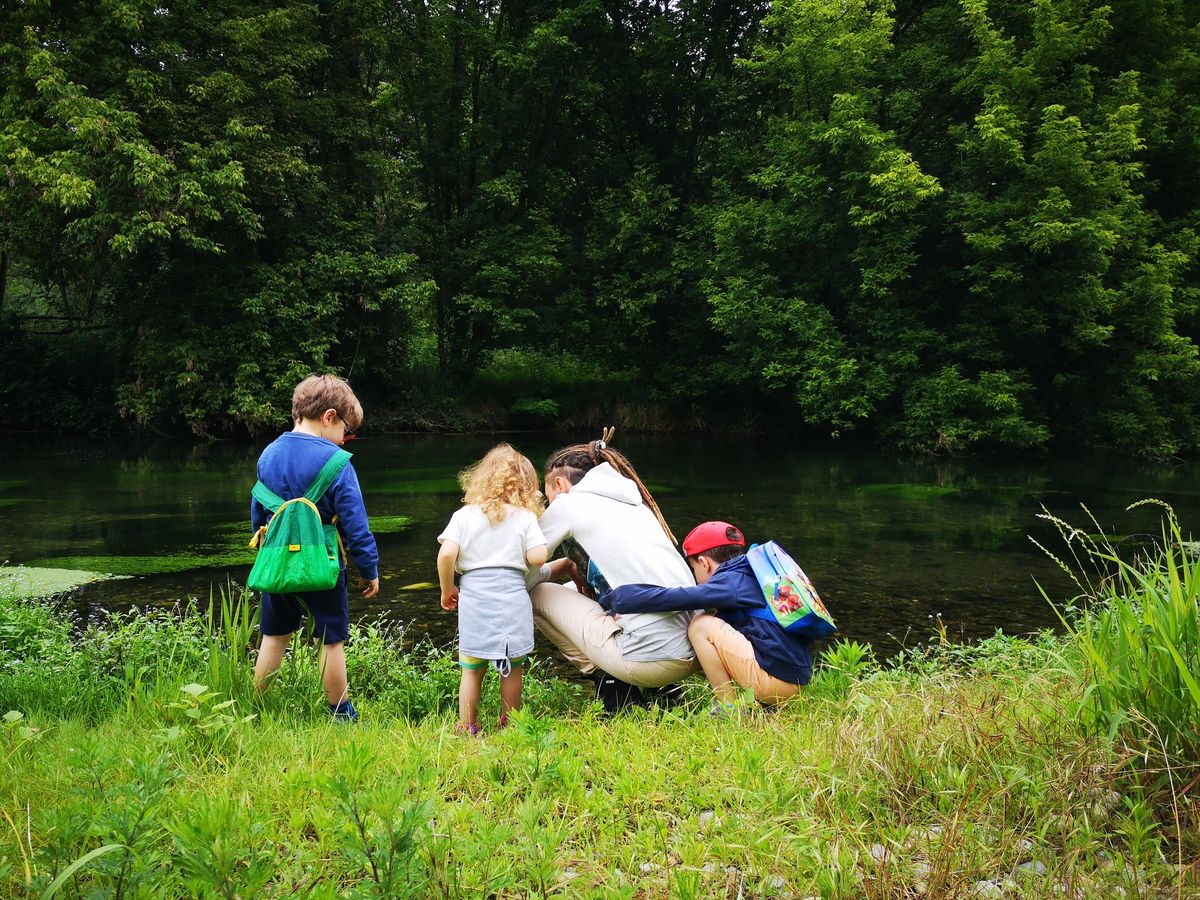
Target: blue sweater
{"points": [[288, 466], [731, 593]]}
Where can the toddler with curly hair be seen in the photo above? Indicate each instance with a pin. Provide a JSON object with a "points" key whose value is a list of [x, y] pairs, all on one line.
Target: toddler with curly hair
{"points": [[490, 542]]}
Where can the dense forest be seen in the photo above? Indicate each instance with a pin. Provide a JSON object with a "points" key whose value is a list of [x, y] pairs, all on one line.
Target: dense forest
{"points": [[938, 224]]}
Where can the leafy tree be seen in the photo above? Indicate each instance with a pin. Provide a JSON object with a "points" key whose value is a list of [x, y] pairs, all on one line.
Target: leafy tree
{"points": [[1060, 276], [945, 224], [176, 175], [813, 224]]}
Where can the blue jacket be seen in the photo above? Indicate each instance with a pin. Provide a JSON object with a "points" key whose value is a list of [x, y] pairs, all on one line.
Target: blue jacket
{"points": [[288, 466], [731, 592]]}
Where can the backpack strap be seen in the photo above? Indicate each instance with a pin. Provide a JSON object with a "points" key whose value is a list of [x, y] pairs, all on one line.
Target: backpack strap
{"points": [[328, 474], [272, 501], [325, 477], [267, 497]]}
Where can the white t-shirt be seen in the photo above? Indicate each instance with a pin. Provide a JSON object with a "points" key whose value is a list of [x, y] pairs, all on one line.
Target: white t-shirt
{"points": [[483, 545]]}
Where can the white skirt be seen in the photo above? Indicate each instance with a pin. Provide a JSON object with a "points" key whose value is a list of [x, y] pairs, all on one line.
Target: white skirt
{"points": [[495, 616]]}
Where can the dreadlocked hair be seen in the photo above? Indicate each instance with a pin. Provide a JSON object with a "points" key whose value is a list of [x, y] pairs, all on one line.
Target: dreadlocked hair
{"points": [[577, 460], [502, 477]]}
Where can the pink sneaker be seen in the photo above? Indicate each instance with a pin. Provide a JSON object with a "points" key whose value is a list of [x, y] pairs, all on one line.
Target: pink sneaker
{"points": [[468, 728], [503, 722]]}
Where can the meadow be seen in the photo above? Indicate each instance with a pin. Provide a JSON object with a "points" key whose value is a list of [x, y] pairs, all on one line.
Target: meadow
{"points": [[136, 760]]}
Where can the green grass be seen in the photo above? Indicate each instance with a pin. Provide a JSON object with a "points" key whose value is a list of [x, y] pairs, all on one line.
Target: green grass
{"points": [[1136, 624], [872, 790], [137, 760]]}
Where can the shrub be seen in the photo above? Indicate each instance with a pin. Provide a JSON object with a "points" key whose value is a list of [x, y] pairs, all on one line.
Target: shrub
{"points": [[1136, 629]]}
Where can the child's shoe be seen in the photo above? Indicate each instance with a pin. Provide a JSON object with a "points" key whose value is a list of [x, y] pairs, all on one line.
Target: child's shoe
{"points": [[720, 710], [668, 697], [503, 722], [343, 712], [470, 729]]}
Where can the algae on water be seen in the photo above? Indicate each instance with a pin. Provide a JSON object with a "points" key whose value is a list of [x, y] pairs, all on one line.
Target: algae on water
{"points": [[28, 582], [909, 491], [163, 564], [230, 550], [389, 524], [235, 531]]}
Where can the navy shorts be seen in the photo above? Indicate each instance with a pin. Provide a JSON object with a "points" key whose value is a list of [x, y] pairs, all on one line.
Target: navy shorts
{"points": [[284, 613]]}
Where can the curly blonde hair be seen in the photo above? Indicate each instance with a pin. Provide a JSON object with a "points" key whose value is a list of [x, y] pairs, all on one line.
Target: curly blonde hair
{"points": [[502, 477]]}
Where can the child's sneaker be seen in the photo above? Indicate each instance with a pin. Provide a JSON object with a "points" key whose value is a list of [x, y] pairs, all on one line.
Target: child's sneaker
{"points": [[503, 722], [720, 710], [343, 712], [469, 729], [668, 697]]}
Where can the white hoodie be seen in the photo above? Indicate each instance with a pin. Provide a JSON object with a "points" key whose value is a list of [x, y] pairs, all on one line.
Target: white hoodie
{"points": [[604, 513]]}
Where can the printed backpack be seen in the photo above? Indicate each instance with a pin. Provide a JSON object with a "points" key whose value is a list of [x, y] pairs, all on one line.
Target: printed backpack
{"points": [[297, 552], [792, 601]]}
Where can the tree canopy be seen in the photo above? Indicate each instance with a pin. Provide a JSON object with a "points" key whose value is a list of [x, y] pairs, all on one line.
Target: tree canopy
{"points": [[942, 224]]}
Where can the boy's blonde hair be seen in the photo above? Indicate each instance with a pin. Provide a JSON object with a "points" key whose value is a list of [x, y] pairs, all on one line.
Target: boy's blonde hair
{"points": [[317, 393], [502, 476]]}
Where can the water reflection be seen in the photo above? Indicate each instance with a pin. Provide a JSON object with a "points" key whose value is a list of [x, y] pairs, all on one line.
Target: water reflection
{"points": [[889, 541]]}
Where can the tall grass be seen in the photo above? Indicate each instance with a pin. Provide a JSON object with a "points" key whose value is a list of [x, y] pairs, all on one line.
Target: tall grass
{"points": [[139, 662], [232, 631], [171, 778], [1136, 627], [898, 788]]}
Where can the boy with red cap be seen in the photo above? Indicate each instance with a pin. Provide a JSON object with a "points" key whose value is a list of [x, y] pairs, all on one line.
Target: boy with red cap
{"points": [[735, 647]]}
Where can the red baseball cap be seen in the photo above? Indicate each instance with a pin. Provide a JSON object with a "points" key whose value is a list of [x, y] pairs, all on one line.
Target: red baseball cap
{"points": [[708, 535]]}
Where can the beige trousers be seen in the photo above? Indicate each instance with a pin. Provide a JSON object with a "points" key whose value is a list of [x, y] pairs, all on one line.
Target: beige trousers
{"points": [[728, 659], [587, 637]]}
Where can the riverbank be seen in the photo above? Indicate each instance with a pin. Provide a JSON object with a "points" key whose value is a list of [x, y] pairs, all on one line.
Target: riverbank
{"points": [[889, 542], [139, 751]]}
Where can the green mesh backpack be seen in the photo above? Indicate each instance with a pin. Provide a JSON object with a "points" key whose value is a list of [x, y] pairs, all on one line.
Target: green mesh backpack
{"points": [[298, 553]]}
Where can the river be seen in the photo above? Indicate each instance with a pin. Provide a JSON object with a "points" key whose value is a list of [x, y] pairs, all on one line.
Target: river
{"points": [[891, 542]]}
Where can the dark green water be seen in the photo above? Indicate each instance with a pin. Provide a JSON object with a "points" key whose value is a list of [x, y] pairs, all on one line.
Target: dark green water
{"points": [[889, 542]]}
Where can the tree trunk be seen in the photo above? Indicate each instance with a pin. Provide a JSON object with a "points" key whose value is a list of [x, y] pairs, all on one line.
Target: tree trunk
{"points": [[443, 362]]}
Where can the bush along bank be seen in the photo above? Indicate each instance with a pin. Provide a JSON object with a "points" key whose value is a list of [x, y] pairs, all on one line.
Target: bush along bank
{"points": [[138, 762]]}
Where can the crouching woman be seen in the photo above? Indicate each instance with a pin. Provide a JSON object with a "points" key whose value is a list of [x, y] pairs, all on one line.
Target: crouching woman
{"points": [[616, 535]]}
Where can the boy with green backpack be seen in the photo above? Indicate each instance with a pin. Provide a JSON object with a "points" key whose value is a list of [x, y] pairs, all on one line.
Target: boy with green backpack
{"points": [[308, 515]]}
